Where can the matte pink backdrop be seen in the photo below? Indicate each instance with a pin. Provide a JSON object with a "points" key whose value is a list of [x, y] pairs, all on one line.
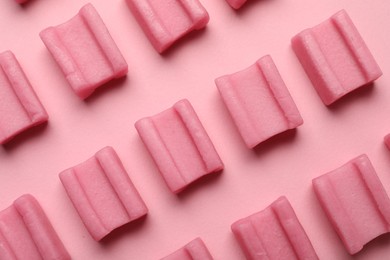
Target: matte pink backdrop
{"points": [[252, 179]]}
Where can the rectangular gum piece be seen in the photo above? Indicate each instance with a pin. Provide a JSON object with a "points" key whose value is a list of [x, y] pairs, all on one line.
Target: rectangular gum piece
{"points": [[85, 51], [20, 107], [26, 233], [195, 250], [274, 233], [179, 145], [102, 193], [355, 202], [259, 102], [335, 57], [236, 4], [166, 21]]}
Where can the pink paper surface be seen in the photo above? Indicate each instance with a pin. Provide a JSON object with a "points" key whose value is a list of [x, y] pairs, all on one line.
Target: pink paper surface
{"points": [[252, 179]]}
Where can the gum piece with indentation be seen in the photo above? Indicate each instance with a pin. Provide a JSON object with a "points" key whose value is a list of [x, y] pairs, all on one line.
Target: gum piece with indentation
{"points": [[259, 102], [166, 21], [102, 193], [26, 233], [179, 145], [335, 57], [236, 4], [20, 107], [274, 233], [85, 51], [355, 202], [195, 250]]}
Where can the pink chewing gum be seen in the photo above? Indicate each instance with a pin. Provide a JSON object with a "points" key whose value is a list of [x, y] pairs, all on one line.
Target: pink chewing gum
{"points": [[274, 233], [26, 233], [20, 107], [85, 51], [355, 202], [387, 141], [166, 21], [102, 193], [236, 4], [21, 1], [179, 145], [335, 57], [259, 102], [195, 250]]}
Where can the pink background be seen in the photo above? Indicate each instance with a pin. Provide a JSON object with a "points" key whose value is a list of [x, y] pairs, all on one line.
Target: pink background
{"points": [[252, 179]]}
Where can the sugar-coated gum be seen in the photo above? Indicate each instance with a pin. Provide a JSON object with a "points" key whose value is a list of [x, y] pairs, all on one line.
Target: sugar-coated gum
{"points": [[259, 102], [102, 193], [274, 233], [387, 141], [166, 21], [85, 51], [21, 1], [179, 145], [26, 233], [236, 4], [335, 57], [194, 250], [355, 202], [20, 107]]}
